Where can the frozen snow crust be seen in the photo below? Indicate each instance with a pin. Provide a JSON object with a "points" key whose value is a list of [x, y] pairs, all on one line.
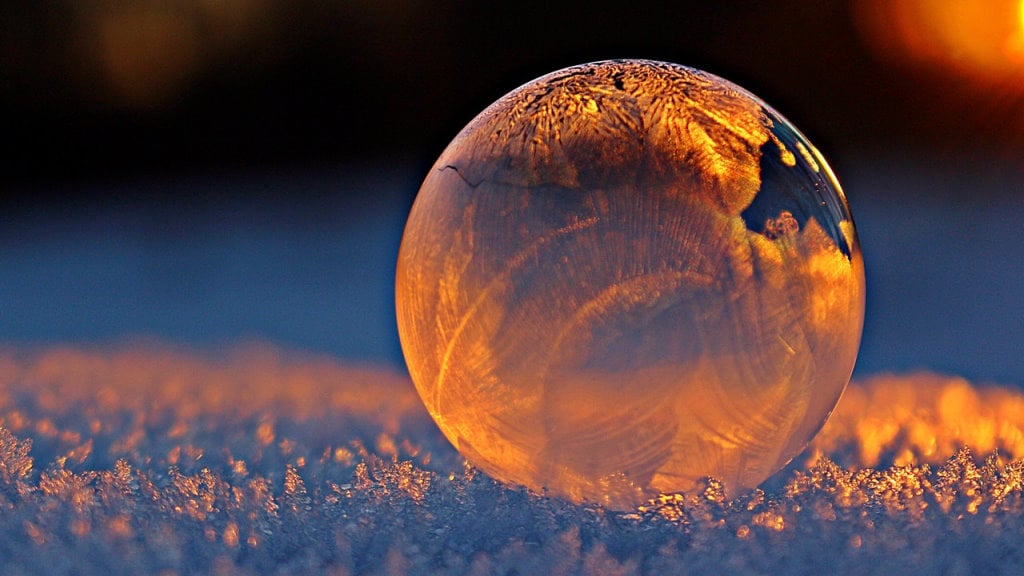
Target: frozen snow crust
{"points": [[151, 459]]}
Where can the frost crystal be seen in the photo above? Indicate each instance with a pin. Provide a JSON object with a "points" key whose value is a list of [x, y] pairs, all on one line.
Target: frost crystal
{"points": [[355, 480]]}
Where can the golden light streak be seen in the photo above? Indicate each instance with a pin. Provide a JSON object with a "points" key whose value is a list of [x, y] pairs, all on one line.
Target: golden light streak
{"points": [[922, 419], [909, 420]]}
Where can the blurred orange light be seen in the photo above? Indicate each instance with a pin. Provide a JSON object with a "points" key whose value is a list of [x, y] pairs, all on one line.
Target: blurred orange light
{"points": [[148, 55], [141, 55], [981, 39]]}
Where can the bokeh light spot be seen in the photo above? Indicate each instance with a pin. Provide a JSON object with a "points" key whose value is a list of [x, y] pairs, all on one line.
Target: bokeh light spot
{"points": [[983, 40]]}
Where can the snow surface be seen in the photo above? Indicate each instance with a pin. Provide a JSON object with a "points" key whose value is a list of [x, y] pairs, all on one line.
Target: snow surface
{"points": [[148, 459]]}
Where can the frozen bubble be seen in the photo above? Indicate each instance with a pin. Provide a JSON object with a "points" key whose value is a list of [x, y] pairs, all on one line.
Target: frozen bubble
{"points": [[626, 276]]}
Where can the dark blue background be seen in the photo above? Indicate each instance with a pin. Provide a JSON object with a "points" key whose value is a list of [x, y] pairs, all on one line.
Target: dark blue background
{"points": [[305, 259], [260, 193]]}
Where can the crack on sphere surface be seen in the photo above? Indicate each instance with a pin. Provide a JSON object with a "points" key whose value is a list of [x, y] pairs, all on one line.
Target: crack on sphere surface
{"points": [[627, 276]]}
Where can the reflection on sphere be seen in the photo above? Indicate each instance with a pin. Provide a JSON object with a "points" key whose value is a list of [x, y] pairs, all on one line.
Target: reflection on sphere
{"points": [[626, 276]]}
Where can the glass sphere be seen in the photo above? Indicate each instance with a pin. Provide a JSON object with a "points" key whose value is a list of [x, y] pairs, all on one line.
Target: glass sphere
{"points": [[627, 276]]}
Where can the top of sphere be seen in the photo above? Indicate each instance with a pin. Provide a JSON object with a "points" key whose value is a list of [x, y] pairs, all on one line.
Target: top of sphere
{"points": [[655, 125], [606, 123]]}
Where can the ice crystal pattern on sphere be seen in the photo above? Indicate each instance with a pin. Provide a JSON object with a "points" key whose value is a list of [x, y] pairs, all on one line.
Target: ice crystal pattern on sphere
{"points": [[626, 276]]}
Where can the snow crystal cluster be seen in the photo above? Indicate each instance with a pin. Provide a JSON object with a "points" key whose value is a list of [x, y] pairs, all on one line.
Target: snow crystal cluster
{"points": [[132, 461]]}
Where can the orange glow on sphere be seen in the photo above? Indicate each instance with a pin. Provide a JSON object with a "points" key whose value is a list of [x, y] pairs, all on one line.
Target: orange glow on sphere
{"points": [[626, 276]]}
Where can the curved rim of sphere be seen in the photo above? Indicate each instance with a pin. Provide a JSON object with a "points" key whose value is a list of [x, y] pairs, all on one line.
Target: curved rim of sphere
{"points": [[626, 276]]}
